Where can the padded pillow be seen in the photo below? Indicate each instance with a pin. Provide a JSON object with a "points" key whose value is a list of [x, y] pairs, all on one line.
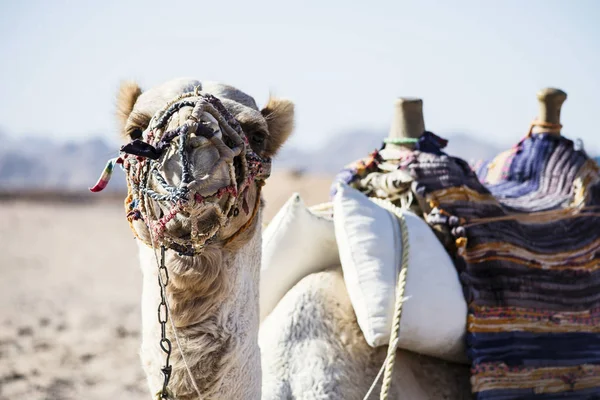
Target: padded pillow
{"points": [[295, 244], [434, 314]]}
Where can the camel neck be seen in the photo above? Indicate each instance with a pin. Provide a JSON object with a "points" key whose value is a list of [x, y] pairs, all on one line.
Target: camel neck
{"points": [[214, 305]]}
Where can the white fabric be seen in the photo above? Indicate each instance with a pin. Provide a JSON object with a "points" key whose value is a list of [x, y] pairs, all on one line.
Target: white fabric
{"points": [[296, 244], [434, 312]]}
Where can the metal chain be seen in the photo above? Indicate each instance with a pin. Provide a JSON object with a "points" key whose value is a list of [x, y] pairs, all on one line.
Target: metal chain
{"points": [[163, 317]]}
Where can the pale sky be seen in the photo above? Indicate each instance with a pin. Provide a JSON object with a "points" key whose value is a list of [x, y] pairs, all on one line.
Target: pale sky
{"points": [[476, 64]]}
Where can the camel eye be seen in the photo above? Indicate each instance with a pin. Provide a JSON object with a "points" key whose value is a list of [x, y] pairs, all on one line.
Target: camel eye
{"points": [[257, 138], [136, 133]]}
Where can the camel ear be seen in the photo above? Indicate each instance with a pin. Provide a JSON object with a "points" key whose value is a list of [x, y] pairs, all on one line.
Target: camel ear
{"points": [[279, 114], [126, 98]]}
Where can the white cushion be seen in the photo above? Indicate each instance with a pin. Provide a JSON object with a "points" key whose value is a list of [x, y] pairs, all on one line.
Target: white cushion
{"points": [[434, 314], [295, 244]]}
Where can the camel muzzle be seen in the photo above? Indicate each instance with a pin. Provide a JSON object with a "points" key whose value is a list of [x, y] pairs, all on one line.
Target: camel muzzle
{"points": [[158, 203]]}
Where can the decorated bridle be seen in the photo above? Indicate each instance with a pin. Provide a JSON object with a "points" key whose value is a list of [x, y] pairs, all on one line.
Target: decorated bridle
{"points": [[142, 158]]}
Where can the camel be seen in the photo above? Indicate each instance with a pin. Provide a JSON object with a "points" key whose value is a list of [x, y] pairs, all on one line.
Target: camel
{"points": [[311, 346]]}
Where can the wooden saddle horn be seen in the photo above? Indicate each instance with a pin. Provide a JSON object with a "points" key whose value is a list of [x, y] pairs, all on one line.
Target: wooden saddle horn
{"points": [[550, 103], [408, 123]]}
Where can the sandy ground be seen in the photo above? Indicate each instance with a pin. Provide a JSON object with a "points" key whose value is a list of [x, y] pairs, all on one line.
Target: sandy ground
{"points": [[70, 289]]}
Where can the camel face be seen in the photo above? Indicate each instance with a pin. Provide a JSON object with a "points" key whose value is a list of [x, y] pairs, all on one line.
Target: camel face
{"points": [[220, 176]]}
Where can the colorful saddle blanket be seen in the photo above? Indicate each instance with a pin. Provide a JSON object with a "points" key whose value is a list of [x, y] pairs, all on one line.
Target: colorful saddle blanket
{"points": [[527, 232]]}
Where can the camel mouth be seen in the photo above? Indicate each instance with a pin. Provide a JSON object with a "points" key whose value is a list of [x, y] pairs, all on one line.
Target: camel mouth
{"points": [[189, 227]]}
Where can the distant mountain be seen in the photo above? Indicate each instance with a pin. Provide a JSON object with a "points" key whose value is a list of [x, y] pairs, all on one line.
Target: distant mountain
{"points": [[352, 145], [42, 163]]}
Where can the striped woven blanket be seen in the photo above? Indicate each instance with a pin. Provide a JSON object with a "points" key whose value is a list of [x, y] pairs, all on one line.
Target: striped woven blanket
{"points": [[527, 232]]}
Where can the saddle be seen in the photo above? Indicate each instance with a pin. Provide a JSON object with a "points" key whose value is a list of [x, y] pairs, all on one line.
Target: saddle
{"points": [[523, 232], [520, 233]]}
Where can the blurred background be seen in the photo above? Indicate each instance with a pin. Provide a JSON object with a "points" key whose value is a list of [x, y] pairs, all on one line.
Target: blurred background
{"points": [[70, 283]]}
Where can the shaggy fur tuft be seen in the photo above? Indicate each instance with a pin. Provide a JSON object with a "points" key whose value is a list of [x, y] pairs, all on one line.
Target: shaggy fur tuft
{"points": [[279, 114], [208, 296], [126, 98]]}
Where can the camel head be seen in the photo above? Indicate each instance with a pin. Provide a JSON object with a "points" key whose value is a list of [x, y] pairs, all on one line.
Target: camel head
{"points": [[196, 158]]}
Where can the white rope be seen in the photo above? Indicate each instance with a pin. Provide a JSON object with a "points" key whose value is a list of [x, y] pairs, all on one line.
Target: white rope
{"points": [[388, 365], [164, 289], [372, 388], [323, 210]]}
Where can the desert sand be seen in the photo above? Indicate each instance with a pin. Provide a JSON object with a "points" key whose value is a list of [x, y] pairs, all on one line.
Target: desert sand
{"points": [[70, 290]]}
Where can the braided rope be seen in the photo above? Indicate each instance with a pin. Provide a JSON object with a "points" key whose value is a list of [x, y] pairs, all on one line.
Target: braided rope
{"points": [[145, 181], [388, 366], [548, 126]]}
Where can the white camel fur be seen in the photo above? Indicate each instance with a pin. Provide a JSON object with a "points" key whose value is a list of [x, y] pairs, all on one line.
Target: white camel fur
{"points": [[310, 347]]}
